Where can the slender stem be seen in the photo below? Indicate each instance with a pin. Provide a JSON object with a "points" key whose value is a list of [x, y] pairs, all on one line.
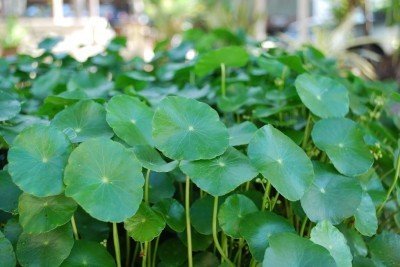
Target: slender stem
{"points": [[266, 196], [155, 251], [128, 249], [146, 187], [310, 225], [192, 78], [144, 254], [238, 256], [148, 254], [188, 226], [248, 186], [223, 89], [289, 212], [274, 200], [303, 226], [116, 245], [215, 233], [74, 228], [395, 178], [135, 252], [307, 132], [224, 244]]}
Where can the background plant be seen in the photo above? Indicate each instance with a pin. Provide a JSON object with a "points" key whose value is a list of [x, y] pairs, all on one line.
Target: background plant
{"points": [[240, 156]]}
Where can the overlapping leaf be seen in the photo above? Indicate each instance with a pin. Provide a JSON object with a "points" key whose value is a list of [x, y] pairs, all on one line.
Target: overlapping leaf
{"points": [[37, 160], [186, 129], [100, 175], [281, 161]]}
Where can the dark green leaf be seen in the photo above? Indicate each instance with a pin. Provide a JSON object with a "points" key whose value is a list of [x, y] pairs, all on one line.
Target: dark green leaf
{"points": [[257, 227]]}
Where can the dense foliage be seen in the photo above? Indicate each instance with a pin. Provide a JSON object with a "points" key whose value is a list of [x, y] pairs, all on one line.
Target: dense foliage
{"points": [[216, 153]]}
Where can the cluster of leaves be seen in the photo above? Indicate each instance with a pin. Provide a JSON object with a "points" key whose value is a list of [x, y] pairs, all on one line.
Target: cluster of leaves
{"points": [[236, 156]]}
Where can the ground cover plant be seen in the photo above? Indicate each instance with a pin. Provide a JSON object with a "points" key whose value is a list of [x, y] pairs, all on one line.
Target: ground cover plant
{"points": [[217, 152]]}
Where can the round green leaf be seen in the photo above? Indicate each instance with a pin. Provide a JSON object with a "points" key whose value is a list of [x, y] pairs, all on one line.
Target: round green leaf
{"points": [[89, 228], [287, 249], [161, 186], [205, 259], [7, 256], [199, 242], [145, 225], [222, 174], [9, 106], [281, 161], [9, 193], [354, 240], [95, 85], [257, 227], [325, 97], [201, 214], [46, 249], [234, 208], [241, 134], [332, 196], [384, 249], [130, 119], [83, 120], [326, 235], [37, 159], [86, 253], [359, 261], [172, 252], [151, 159], [366, 221], [233, 56], [12, 230], [105, 179], [42, 214], [173, 213], [342, 140], [186, 129]]}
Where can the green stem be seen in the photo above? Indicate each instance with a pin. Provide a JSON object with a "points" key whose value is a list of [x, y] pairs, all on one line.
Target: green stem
{"points": [[303, 226], [266, 196], [223, 89], [248, 186], [274, 200], [144, 254], [188, 225], [395, 178], [307, 132], [238, 256], [74, 228], [224, 244], [155, 251], [192, 78], [128, 249], [116, 245], [135, 253], [215, 233], [146, 187]]}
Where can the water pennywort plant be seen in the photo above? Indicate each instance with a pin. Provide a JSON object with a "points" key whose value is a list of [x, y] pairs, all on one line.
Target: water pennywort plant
{"points": [[238, 157]]}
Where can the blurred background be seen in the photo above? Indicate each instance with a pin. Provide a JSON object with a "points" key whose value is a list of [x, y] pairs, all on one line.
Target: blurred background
{"points": [[362, 33]]}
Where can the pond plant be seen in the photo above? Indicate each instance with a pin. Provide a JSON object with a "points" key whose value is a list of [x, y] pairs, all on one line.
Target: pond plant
{"points": [[238, 156]]}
